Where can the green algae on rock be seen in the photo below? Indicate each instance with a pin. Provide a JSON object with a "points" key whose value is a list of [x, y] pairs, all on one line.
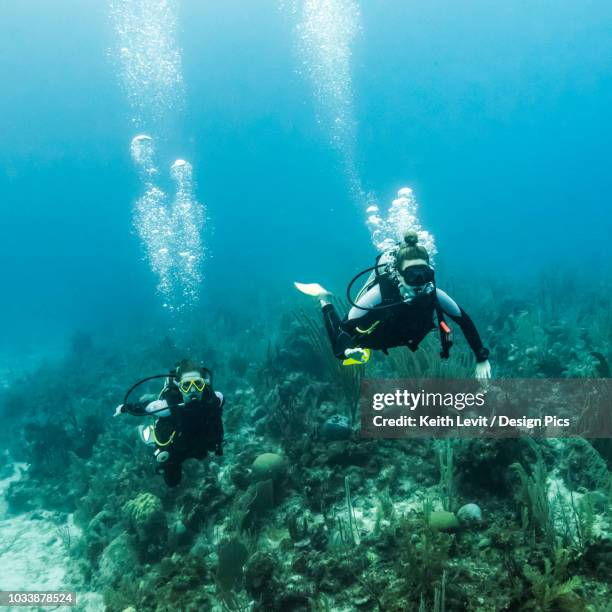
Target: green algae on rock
{"points": [[269, 466], [442, 520]]}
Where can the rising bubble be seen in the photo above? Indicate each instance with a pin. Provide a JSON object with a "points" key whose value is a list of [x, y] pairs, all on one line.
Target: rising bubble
{"points": [[326, 32], [401, 216], [169, 226], [150, 60]]}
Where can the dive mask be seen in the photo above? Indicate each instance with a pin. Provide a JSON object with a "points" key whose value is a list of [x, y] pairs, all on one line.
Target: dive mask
{"points": [[417, 276], [197, 384], [417, 280]]}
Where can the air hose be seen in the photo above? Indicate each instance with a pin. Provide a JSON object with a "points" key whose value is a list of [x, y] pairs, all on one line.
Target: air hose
{"points": [[134, 386], [204, 371], [367, 308]]}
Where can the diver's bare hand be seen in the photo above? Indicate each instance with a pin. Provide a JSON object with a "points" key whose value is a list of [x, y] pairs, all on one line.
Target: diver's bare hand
{"points": [[483, 371]]}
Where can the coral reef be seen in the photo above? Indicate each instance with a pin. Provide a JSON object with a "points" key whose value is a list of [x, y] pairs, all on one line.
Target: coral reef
{"points": [[147, 520], [302, 514]]}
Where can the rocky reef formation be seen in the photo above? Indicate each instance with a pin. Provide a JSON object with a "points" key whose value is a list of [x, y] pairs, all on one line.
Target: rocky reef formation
{"points": [[301, 513]]}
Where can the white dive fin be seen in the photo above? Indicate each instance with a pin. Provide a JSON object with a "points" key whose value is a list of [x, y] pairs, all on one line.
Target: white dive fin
{"points": [[312, 289]]}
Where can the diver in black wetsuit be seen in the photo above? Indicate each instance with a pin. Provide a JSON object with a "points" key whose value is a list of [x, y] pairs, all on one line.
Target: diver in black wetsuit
{"points": [[189, 423], [397, 307]]}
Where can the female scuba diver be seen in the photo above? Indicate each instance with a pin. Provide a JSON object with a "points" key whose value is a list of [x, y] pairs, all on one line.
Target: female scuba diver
{"points": [[396, 307], [189, 423]]}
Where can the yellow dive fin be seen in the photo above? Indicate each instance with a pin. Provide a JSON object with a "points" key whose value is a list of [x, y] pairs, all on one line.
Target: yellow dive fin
{"points": [[357, 356], [312, 289]]}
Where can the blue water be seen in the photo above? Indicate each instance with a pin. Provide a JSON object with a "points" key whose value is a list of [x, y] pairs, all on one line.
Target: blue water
{"points": [[498, 115]]}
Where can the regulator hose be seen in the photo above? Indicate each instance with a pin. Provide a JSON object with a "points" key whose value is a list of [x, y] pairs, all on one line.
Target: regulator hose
{"points": [[204, 371], [134, 386], [367, 308], [144, 380]]}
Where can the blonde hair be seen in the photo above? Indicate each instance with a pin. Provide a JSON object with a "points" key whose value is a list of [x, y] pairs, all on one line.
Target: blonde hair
{"points": [[411, 250]]}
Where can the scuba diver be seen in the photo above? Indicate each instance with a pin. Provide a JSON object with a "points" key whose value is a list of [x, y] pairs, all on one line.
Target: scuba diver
{"points": [[189, 418], [396, 307]]}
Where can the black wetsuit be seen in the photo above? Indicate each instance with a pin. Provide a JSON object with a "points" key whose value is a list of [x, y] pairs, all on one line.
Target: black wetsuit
{"points": [[190, 431], [399, 323]]}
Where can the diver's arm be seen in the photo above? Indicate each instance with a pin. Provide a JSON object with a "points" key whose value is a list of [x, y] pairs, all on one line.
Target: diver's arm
{"points": [[135, 409], [152, 403], [472, 336], [459, 316], [157, 407]]}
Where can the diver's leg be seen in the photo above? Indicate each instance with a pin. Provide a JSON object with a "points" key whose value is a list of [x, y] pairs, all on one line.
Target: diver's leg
{"points": [[173, 473], [339, 338]]}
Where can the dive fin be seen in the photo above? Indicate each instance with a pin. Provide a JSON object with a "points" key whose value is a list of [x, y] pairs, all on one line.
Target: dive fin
{"points": [[312, 289], [357, 356]]}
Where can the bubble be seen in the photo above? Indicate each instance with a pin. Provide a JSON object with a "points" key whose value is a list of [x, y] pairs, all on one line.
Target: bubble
{"points": [[385, 244], [150, 221], [326, 32], [142, 149], [188, 217], [401, 216], [150, 60], [181, 171], [150, 69]]}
